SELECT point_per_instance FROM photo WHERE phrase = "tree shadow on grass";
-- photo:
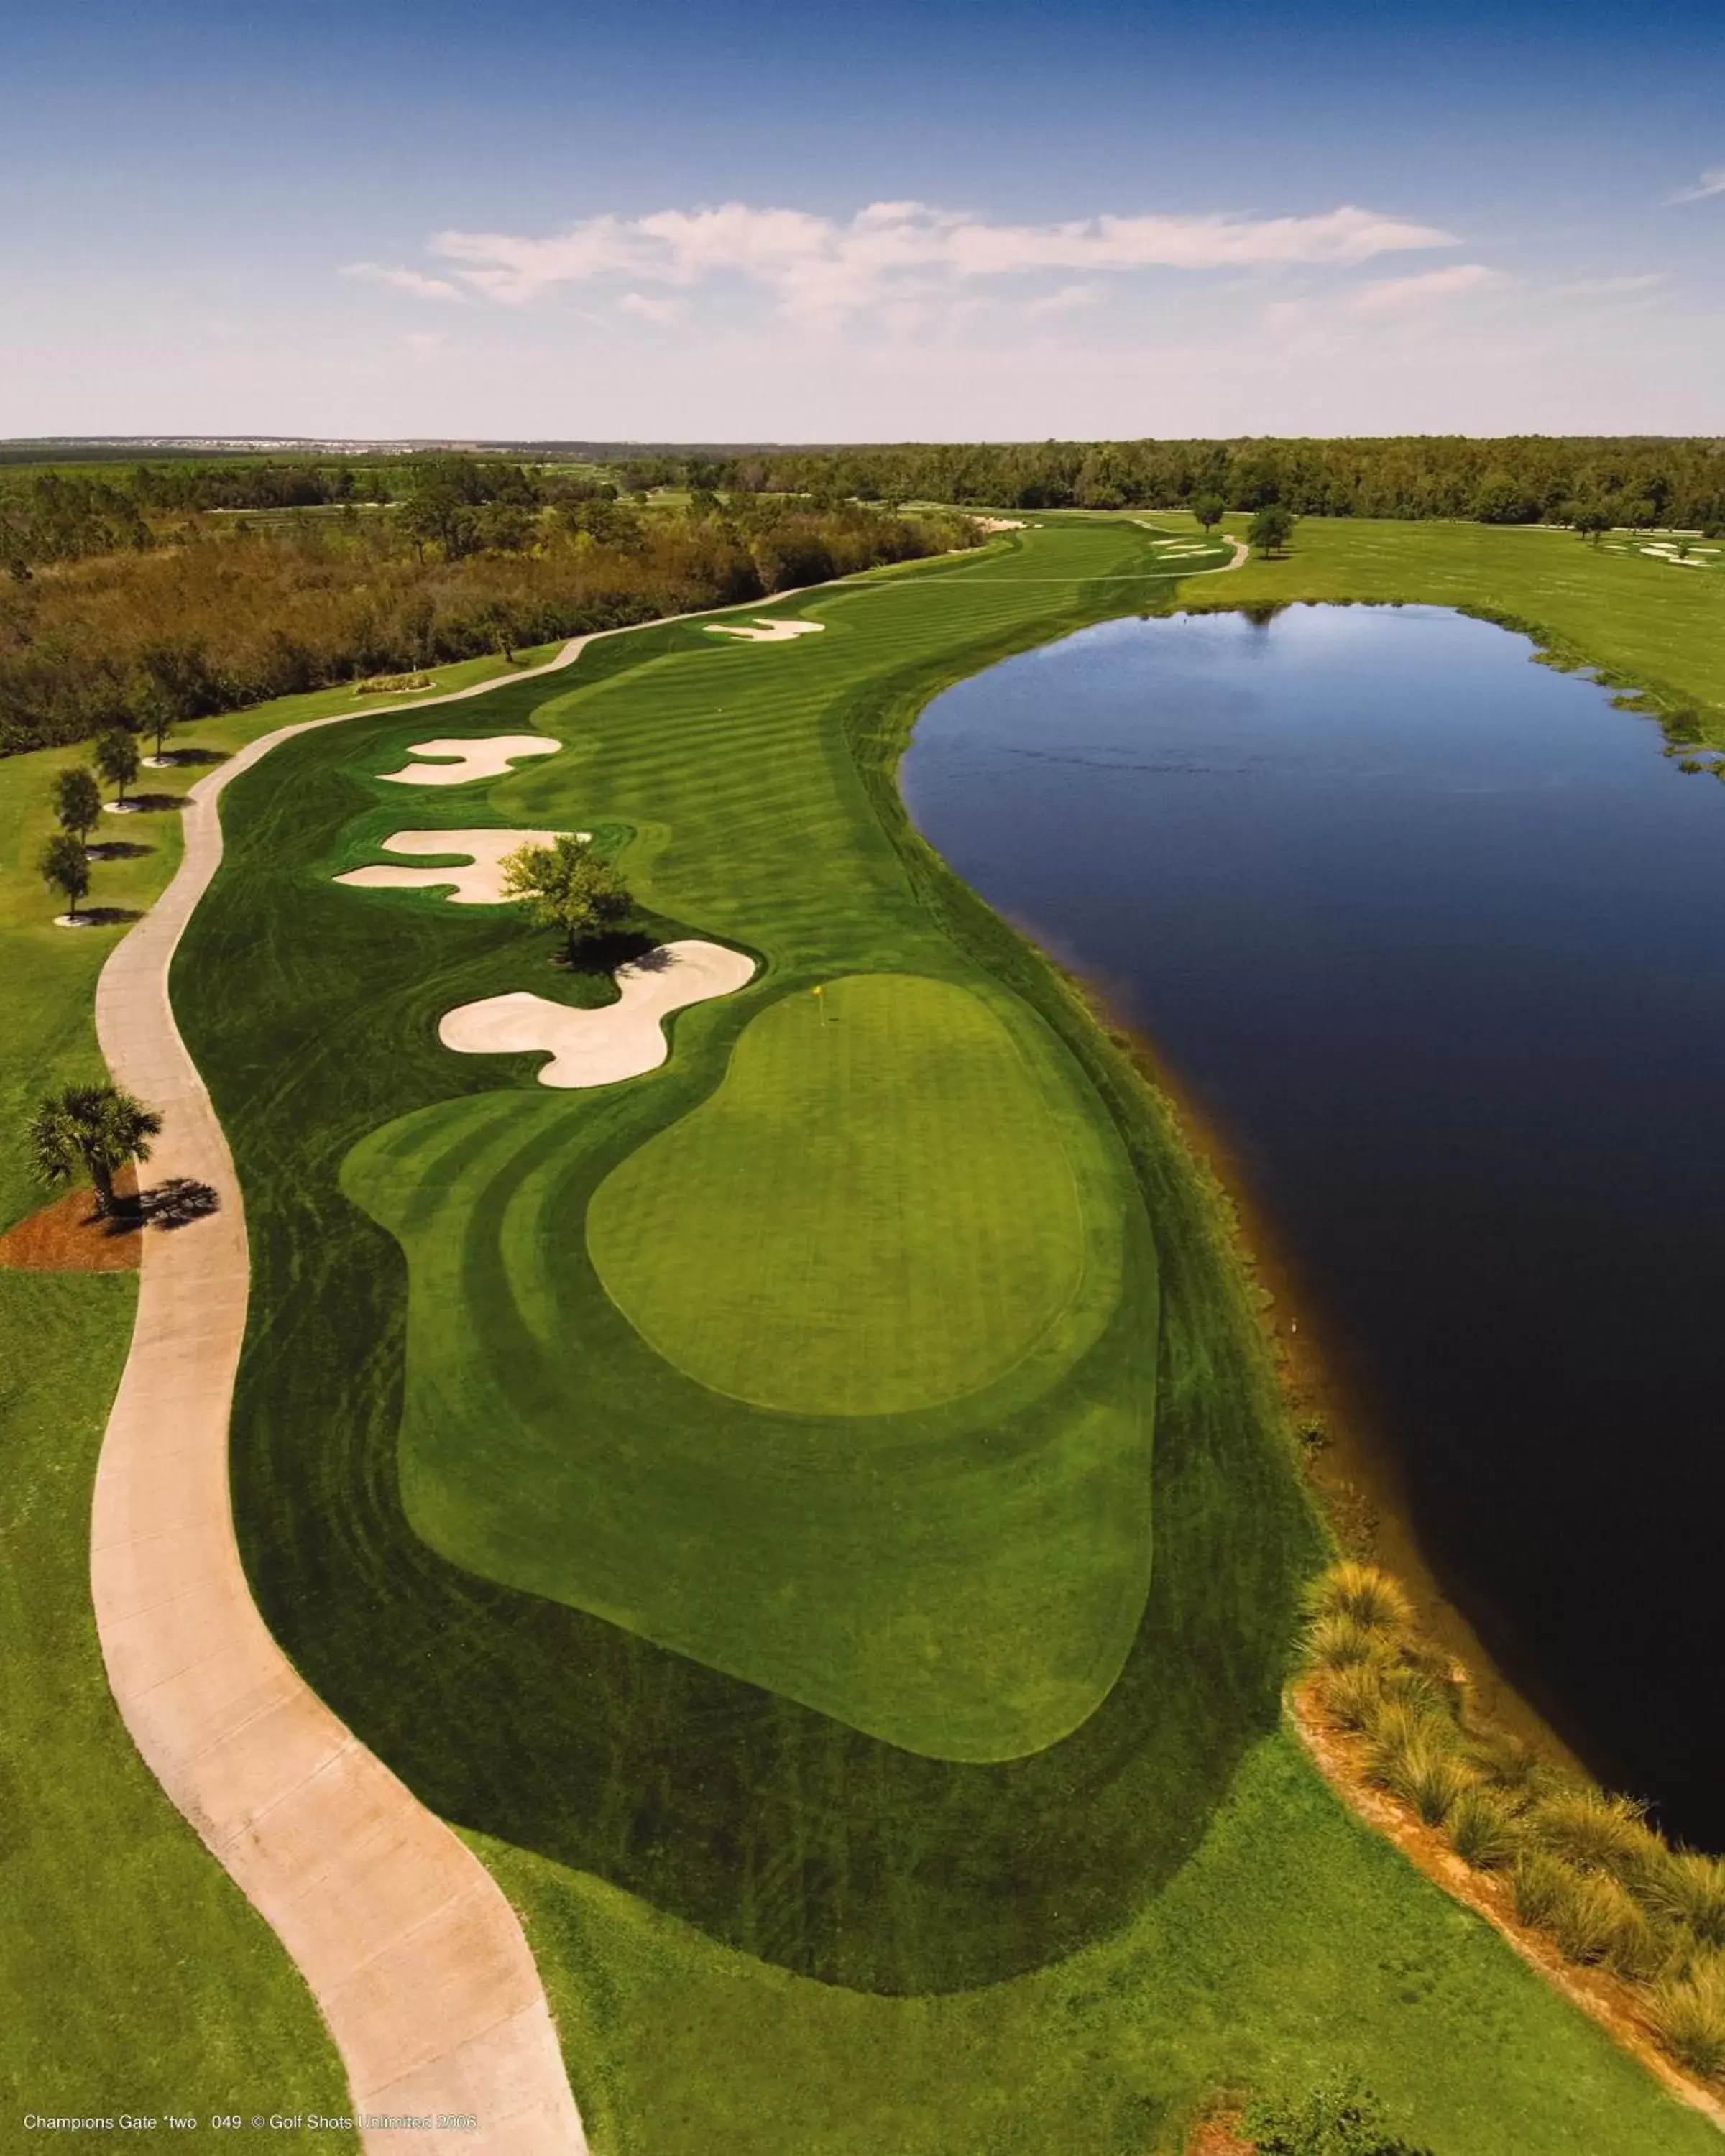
(117, 850)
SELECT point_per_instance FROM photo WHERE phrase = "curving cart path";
(410, 1948)
(413, 1955)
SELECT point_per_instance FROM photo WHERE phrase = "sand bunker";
(479, 882)
(1676, 560)
(1000, 523)
(765, 631)
(598, 1047)
(468, 760)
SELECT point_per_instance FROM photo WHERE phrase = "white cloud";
(665, 314)
(820, 269)
(1611, 287)
(1396, 296)
(1712, 183)
(401, 280)
(1070, 300)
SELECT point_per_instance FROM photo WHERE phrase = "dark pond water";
(1437, 939)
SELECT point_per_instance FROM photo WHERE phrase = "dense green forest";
(1518, 480)
(132, 598)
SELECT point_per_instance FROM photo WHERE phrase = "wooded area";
(130, 600)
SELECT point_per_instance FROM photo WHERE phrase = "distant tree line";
(1520, 480)
(476, 556)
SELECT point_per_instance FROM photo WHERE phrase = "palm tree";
(93, 1128)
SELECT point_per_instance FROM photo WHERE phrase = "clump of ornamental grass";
(1426, 1775)
(1371, 1598)
(1353, 1696)
(1690, 1888)
(1397, 1729)
(1598, 1832)
(1688, 2014)
(1539, 1883)
(1412, 1686)
(1592, 1919)
(1506, 1761)
(1483, 1829)
(1337, 1641)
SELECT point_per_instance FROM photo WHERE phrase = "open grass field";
(1068, 1946)
(757, 1917)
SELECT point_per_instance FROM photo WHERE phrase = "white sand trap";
(478, 883)
(468, 760)
(598, 1047)
(1001, 523)
(1677, 561)
(765, 631)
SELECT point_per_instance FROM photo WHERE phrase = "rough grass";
(1294, 1943)
(137, 1977)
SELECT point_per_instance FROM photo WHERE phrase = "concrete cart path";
(410, 1948)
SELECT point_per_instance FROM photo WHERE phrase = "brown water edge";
(1354, 1470)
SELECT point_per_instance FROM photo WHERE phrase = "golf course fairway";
(817, 1515)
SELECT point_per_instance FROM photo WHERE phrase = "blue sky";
(673, 222)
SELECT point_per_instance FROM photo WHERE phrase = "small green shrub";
(1482, 1829)
(1363, 1593)
(1691, 1888)
(1340, 2117)
(1688, 2014)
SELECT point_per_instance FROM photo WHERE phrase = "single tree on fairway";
(65, 867)
(116, 755)
(1272, 528)
(567, 886)
(94, 1130)
(1590, 520)
(77, 800)
(1207, 508)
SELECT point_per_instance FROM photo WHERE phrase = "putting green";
(875, 1211)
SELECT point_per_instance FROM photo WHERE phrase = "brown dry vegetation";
(223, 618)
